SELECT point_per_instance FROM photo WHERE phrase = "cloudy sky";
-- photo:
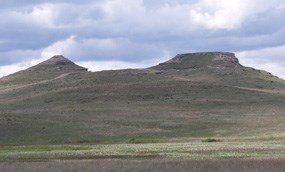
(114, 34)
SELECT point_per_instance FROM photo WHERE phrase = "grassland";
(195, 149)
(230, 165)
(52, 113)
(168, 113)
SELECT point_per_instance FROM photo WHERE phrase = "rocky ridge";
(218, 60)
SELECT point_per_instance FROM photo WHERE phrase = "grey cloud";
(139, 29)
(29, 39)
(111, 49)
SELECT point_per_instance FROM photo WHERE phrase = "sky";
(117, 34)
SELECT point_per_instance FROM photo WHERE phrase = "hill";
(190, 96)
(49, 69)
(217, 60)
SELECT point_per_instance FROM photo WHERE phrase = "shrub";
(209, 140)
(145, 140)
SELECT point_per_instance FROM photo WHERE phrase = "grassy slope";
(116, 106)
(144, 106)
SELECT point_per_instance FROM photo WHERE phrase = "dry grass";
(54, 117)
(232, 165)
(192, 150)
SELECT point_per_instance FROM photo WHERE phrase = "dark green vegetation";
(187, 99)
(211, 140)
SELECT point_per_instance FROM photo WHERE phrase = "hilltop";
(217, 67)
(57, 63)
(217, 60)
(54, 67)
(193, 95)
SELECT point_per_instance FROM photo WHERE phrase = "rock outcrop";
(218, 60)
(226, 60)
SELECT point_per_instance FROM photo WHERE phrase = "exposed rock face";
(218, 60)
(225, 59)
(59, 63)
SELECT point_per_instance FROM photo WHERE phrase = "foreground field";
(233, 165)
(191, 150)
(262, 154)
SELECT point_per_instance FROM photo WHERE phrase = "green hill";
(191, 96)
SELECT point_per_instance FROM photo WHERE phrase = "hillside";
(190, 96)
(49, 69)
(218, 67)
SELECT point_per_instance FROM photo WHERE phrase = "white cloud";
(274, 68)
(58, 48)
(10, 69)
(114, 65)
(270, 59)
(110, 65)
(228, 14)
(130, 17)
(42, 15)
(74, 47)
(49, 15)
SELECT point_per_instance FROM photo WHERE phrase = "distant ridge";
(219, 67)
